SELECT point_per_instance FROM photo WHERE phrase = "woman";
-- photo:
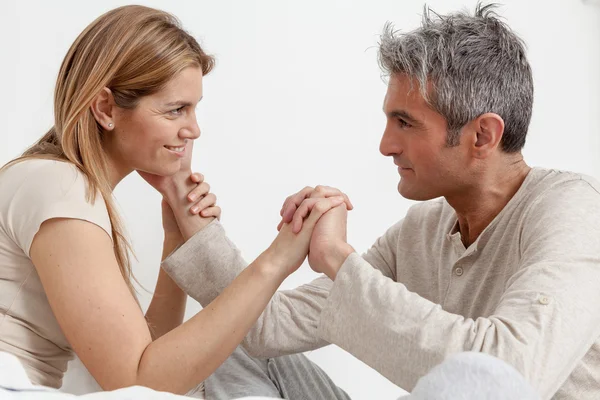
(125, 101)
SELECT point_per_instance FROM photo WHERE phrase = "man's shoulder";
(554, 198)
(554, 184)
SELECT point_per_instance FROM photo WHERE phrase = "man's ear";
(102, 107)
(487, 130)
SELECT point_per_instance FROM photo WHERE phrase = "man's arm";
(547, 319)
(209, 261)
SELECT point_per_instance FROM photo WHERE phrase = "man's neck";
(477, 206)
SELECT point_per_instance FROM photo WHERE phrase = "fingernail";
(192, 197)
(194, 210)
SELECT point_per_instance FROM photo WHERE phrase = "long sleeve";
(209, 261)
(546, 320)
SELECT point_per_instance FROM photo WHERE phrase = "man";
(499, 258)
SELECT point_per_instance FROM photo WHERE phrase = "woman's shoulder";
(46, 184)
(43, 177)
(36, 190)
(34, 167)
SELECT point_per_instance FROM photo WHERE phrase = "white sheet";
(14, 385)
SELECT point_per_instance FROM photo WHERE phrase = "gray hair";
(466, 66)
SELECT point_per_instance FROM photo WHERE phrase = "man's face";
(415, 136)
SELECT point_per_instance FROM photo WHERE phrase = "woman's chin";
(166, 170)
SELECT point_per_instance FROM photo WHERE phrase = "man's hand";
(187, 195)
(328, 247)
(289, 249)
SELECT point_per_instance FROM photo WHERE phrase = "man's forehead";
(404, 92)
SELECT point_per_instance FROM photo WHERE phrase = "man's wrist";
(335, 258)
(175, 192)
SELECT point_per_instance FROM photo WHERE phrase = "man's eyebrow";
(402, 114)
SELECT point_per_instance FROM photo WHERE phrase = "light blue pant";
(473, 376)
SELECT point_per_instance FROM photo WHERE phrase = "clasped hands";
(313, 220)
(328, 248)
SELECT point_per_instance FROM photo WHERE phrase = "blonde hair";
(134, 51)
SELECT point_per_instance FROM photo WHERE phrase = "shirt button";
(544, 300)
(458, 271)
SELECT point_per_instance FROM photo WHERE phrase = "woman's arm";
(167, 307)
(108, 331)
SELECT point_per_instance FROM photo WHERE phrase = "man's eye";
(403, 124)
(177, 111)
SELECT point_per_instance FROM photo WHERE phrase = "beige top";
(527, 291)
(34, 191)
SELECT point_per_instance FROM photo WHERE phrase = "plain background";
(296, 100)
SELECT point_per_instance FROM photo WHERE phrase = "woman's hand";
(291, 212)
(288, 251)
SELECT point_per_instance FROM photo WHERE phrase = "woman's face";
(152, 137)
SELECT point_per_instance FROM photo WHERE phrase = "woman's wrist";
(270, 266)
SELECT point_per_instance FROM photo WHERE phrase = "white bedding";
(14, 385)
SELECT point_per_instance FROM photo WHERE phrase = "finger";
(199, 191)
(214, 211)
(349, 204)
(288, 212)
(306, 208)
(321, 207)
(293, 202)
(197, 177)
(328, 191)
(287, 199)
(280, 225)
(301, 213)
(207, 201)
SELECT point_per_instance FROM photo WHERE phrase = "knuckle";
(321, 207)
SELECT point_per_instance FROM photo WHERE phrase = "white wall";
(296, 100)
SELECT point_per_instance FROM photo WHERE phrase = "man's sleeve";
(208, 262)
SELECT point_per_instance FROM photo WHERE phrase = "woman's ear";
(102, 107)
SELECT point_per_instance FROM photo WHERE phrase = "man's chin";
(412, 193)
